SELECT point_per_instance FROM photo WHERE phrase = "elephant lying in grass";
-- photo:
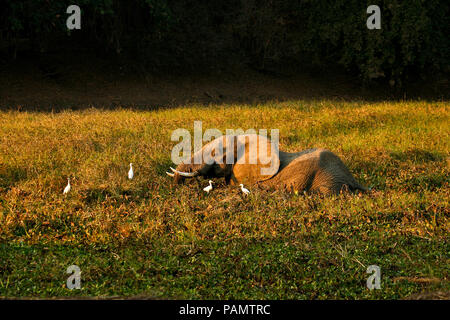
(239, 160)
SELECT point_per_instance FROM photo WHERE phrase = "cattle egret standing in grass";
(208, 188)
(67, 188)
(244, 191)
(130, 173)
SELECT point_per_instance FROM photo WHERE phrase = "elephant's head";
(247, 159)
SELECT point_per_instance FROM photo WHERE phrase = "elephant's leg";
(233, 180)
(323, 183)
(334, 176)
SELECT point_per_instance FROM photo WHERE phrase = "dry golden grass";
(399, 149)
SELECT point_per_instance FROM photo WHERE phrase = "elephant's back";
(297, 170)
(315, 170)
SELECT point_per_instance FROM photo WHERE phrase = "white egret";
(208, 188)
(67, 188)
(130, 172)
(244, 190)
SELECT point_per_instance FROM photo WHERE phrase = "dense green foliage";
(265, 34)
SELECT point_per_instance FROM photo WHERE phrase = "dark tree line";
(267, 35)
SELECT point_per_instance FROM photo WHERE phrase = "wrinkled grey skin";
(312, 170)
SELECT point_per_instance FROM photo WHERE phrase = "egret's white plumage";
(208, 188)
(244, 190)
(67, 188)
(130, 172)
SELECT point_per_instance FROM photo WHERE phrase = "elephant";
(240, 159)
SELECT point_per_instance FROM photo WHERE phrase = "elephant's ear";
(257, 159)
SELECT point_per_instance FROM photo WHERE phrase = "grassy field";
(149, 238)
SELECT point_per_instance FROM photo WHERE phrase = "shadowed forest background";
(149, 53)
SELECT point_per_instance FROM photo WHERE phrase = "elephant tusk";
(170, 174)
(184, 174)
